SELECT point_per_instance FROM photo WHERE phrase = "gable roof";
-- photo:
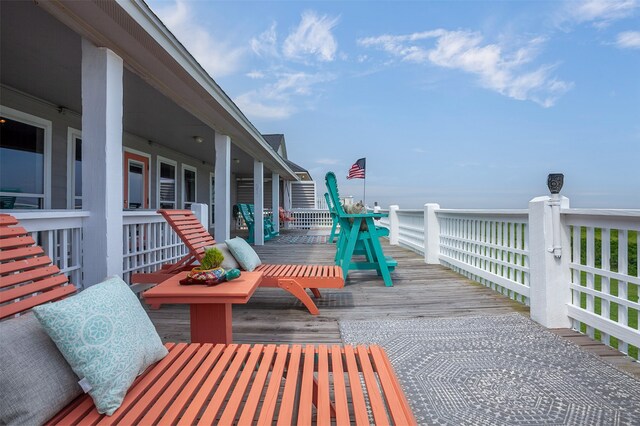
(276, 141)
(298, 169)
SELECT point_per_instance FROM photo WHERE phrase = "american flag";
(357, 170)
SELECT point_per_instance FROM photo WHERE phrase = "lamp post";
(554, 183)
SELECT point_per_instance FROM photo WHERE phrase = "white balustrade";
(411, 229)
(149, 242)
(488, 246)
(310, 219)
(604, 275)
(59, 233)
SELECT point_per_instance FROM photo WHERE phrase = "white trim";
(161, 159)
(212, 191)
(182, 169)
(35, 121)
(72, 134)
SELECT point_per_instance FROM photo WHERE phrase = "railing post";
(431, 234)
(549, 275)
(202, 213)
(394, 225)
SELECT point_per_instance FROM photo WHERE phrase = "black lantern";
(554, 182)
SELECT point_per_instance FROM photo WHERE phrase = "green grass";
(614, 285)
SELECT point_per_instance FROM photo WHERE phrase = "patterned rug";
(299, 239)
(499, 370)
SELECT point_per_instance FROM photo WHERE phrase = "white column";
(394, 228)
(275, 200)
(287, 200)
(222, 229)
(431, 234)
(258, 201)
(550, 275)
(101, 162)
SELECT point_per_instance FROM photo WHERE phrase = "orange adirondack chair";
(292, 278)
(193, 382)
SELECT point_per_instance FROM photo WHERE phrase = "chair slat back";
(246, 213)
(27, 277)
(332, 210)
(190, 230)
(332, 188)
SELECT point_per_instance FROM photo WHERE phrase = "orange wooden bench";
(293, 278)
(221, 384)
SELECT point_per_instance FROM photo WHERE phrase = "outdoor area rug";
(499, 370)
(300, 239)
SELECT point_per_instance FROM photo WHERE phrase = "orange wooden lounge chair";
(221, 384)
(293, 278)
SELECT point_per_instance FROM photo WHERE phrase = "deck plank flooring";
(419, 291)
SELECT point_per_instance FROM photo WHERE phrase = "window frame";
(72, 135)
(125, 169)
(212, 200)
(46, 125)
(183, 168)
(168, 161)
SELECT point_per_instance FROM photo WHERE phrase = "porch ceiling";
(43, 59)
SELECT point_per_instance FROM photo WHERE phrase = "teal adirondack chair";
(247, 212)
(269, 229)
(354, 241)
(334, 218)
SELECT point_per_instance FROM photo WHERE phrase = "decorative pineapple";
(209, 272)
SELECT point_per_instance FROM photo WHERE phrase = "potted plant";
(209, 272)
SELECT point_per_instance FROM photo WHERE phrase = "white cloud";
(255, 75)
(600, 12)
(312, 38)
(496, 68)
(266, 44)
(276, 100)
(216, 56)
(628, 40)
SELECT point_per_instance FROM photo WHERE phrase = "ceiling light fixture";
(198, 139)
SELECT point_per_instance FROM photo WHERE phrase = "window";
(136, 180)
(167, 179)
(74, 169)
(25, 158)
(189, 185)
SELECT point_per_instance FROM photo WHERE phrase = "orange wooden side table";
(210, 307)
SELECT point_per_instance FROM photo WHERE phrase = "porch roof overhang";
(131, 30)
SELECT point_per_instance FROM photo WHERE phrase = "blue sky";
(467, 104)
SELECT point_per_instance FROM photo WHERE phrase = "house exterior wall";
(154, 150)
(60, 122)
(63, 121)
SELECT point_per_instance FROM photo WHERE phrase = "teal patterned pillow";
(244, 254)
(107, 338)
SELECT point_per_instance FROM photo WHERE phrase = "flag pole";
(364, 189)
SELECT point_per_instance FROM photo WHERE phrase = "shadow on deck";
(419, 291)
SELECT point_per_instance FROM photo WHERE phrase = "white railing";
(310, 219)
(604, 276)
(490, 247)
(149, 242)
(59, 233)
(410, 229)
(591, 284)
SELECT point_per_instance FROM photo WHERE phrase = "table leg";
(211, 323)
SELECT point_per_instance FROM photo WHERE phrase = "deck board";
(419, 291)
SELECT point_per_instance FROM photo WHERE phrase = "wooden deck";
(420, 290)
